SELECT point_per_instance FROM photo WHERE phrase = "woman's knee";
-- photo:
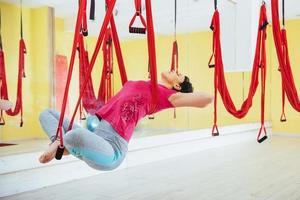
(74, 138)
(94, 150)
(44, 115)
(99, 163)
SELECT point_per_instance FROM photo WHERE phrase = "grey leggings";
(102, 149)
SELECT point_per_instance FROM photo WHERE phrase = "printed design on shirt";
(131, 107)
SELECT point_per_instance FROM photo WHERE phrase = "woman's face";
(172, 77)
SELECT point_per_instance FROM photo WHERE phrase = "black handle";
(92, 10)
(151, 117)
(216, 4)
(59, 152)
(215, 133)
(262, 139)
(283, 118)
(283, 13)
(137, 30)
(264, 26)
(85, 32)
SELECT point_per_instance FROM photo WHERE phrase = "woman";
(104, 147)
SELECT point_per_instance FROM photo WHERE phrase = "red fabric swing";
(21, 74)
(90, 102)
(108, 19)
(219, 77)
(288, 83)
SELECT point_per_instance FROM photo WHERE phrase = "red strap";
(284, 48)
(263, 67)
(2, 77)
(118, 51)
(283, 116)
(174, 60)
(138, 13)
(88, 98)
(71, 65)
(152, 55)
(84, 21)
(174, 64)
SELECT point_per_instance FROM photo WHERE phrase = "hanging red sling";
(280, 40)
(152, 55)
(219, 77)
(21, 74)
(89, 100)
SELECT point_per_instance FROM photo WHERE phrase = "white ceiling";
(193, 15)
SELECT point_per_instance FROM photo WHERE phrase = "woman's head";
(178, 82)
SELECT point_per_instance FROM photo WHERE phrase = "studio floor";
(246, 170)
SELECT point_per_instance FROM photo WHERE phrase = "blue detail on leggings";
(96, 157)
(92, 122)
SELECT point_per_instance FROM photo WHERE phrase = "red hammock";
(108, 19)
(90, 102)
(21, 74)
(219, 77)
(288, 83)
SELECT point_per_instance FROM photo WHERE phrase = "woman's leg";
(49, 119)
(97, 152)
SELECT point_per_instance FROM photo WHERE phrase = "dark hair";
(186, 86)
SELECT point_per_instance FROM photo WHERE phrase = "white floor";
(244, 170)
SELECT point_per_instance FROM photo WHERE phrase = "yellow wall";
(194, 51)
(36, 87)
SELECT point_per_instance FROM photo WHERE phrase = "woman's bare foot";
(49, 154)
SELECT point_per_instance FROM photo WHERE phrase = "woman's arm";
(196, 99)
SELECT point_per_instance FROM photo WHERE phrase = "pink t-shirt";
(132, 103)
